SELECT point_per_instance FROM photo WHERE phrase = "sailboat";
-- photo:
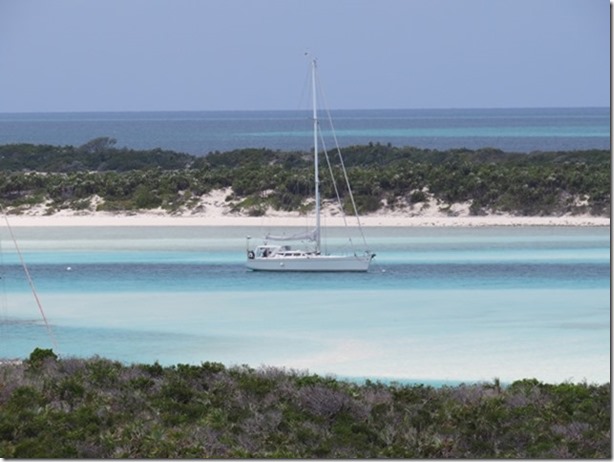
(273, 256)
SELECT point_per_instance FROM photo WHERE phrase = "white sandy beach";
(289, 219)
(214, 210)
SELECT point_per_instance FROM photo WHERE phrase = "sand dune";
(214, 210)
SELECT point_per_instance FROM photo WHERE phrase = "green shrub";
(39, 356)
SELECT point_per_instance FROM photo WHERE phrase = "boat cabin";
(277, 251)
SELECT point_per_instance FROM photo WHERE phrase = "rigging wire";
(345, 175)
(29, 279)
(320, 135)
(335, 187)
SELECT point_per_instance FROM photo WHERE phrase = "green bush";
(39, 356)
(554, 183)
(96, 408)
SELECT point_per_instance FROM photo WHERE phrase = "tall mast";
(315, 152)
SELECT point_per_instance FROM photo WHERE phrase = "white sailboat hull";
(316, 263)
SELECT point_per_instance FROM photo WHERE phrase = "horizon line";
(140, 111)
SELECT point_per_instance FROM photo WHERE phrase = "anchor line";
(30, 281)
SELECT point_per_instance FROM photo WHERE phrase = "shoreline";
(148, 219)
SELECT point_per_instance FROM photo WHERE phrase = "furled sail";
(307, 236)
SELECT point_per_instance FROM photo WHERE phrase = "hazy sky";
(123, 55)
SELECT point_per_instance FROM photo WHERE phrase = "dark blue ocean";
(439, 305)
(512, 130)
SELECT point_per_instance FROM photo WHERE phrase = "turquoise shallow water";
(439, 305)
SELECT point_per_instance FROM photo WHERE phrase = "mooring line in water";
(30, 280)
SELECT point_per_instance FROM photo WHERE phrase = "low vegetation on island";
(98, 408)
(97, 176)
